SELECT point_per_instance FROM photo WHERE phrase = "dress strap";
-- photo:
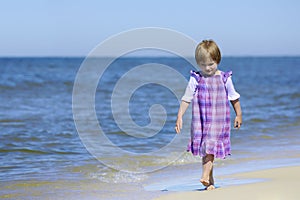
(226, 75)
(196, 75)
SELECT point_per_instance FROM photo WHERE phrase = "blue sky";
(74, 28)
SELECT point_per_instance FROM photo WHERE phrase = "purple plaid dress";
(210, 129)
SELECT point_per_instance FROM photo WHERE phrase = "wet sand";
(75, 190)
(275, 184)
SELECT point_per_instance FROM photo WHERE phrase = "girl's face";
(208, 67)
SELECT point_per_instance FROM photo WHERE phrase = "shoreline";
(276, 183)
(271, 174)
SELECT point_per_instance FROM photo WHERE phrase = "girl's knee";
(208, 157)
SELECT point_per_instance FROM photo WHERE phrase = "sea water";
(39, 140)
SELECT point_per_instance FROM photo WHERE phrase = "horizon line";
(142, 56)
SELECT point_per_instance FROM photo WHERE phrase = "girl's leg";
(207, 174)
(211, 177)
(211, 180)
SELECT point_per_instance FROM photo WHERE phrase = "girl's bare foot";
(205, 182)
(211, 182)
(207, 166)
(211, 187)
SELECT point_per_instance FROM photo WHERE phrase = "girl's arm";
(238, 111)
(183, 106)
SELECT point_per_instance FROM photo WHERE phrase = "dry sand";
(278, 184)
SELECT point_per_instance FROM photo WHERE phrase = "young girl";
(210, 91)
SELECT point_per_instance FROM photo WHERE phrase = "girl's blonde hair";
(207, 50)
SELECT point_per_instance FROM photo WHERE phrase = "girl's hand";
(178, 125)
(238, 121)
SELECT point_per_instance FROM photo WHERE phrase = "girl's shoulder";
(226, 75)
(219, 72)
(195, 74)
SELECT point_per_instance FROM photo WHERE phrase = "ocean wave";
(258, 120)
(117, 177)
(108, 175)
(34, 151)
(23, 150)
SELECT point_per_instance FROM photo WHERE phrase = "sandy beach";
(276, 184)
(273, 184)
